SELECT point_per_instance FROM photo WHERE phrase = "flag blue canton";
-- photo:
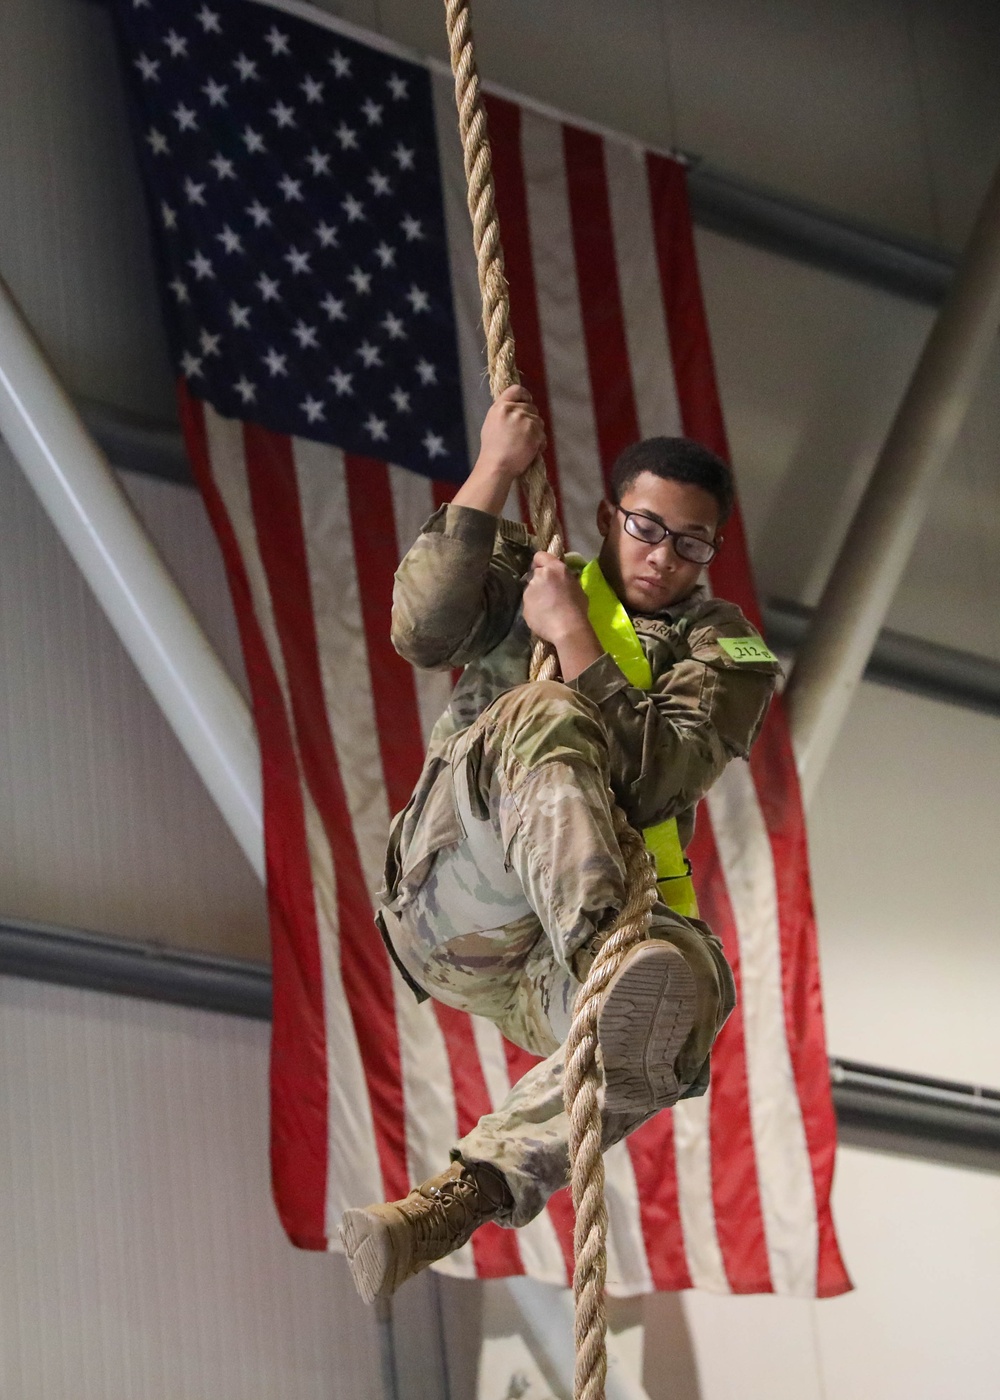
(295, 189)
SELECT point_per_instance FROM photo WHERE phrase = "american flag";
(305, 185)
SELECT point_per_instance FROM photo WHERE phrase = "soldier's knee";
(547, 716)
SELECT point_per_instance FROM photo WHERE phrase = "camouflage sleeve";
(671, 743)
(458, 589)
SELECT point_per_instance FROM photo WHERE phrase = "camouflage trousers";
(504, 923)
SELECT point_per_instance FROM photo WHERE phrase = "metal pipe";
(880, 1109)
(881, 536)
(85, 502)
(899, 660)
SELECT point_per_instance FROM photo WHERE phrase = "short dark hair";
(675, 459)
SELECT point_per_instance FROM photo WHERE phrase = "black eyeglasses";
(690, 547)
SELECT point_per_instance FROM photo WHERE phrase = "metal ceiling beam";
(901, 661)
(879, 1109)
(807, 234)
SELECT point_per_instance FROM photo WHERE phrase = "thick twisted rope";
(582, 1078)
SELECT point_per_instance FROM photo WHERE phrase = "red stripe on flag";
(611, 389)
(299, 1108)
(394, 694)
(495, 1251)
(691, 352)
(364, 962)
(512, 208)
(651, 1150)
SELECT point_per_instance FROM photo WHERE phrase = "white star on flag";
(247, 69)
(306, 336)
(426, 371)
(185, 117)
(319, 162)
(297, 261)
(176, 44)
(377, 427)
(276, 41)
(276, 364)
(268, 287)
(201, 266)
(291, 189)
(230, 241)
(148, 68)
(435, 445)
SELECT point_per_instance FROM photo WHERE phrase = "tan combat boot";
(387, 1244)
(647, 1014)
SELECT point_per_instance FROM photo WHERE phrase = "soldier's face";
(650, 577)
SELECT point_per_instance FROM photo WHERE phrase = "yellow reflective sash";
(618, 638)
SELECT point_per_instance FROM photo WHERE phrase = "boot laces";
(454, 1210)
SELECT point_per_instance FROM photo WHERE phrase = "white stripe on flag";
(787, 1194)
(692, 1152)
(352, 1160)
(573, 428)
(639, 282)
(538, 1243)
(462, 258)
(628, 1265)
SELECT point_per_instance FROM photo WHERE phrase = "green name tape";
(746, 649)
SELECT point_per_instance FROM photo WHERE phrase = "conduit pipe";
(882, 534)
(85, 501)
(82, 497)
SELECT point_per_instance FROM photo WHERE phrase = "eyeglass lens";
(689, 547)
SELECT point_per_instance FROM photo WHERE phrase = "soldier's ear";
(605, 518)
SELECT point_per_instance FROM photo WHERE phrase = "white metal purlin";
(881, 536)
(82, 497)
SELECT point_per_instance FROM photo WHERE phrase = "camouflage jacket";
(457, 602)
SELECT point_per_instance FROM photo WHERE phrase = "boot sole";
(371, 1255)
(646, 1016)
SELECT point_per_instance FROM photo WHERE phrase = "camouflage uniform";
(503, 866)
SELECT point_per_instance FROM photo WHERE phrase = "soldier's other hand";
(513, 435)
(555, 605)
